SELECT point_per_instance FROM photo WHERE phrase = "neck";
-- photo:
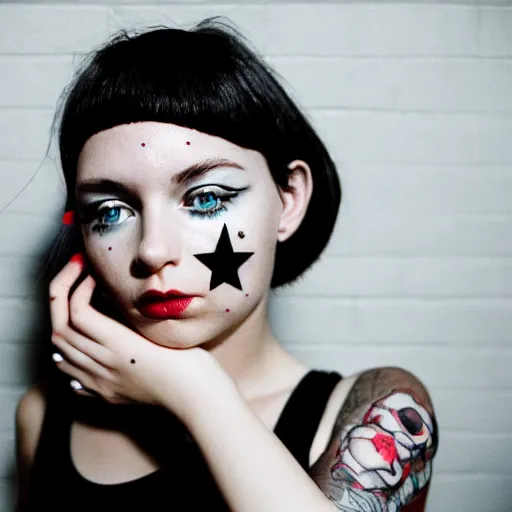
(252, 356)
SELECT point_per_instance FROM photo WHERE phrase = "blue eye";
(111, 214)
(206, 201)
(210, 200)
(108, 215)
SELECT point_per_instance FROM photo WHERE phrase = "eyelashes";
(102, 216)
(209, 200)
(205, 201)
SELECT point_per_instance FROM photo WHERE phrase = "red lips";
(163, 305)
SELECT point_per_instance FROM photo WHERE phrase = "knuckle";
(75, 312)
(53, 288)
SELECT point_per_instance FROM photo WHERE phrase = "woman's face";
(152, 196)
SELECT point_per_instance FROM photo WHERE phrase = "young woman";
(195, 185)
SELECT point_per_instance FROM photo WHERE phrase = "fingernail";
(57, 357)
(76, 385)
(78, 258)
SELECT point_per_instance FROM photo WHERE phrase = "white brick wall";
(415, 103)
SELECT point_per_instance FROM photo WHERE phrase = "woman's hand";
(115, 362)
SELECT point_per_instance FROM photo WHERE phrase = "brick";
(421, 236)
(396, 277)
(8, 491)
(26, 133)
(495, 29)
(8, 402)
(427, 189)
(7, 457)
(434, 364)
(416, 138)
(51, 29)
(18, 275)
(475, 453)
(14, 327)
(17, 362)
(31, 187)
(33, 81)
(25, 234)
(470, 492)
(433, 85)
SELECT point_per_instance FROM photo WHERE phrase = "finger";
(80, 390)
(94, 350)
(80, 306)
(82, 315)
(87, 320)
(82, 377)
(59, 291)
(78, 359)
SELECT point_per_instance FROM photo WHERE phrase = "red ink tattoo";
(188, 143)
(227, 310)
(143, 145)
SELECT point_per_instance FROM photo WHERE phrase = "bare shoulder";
(29, 421)
(379, 456)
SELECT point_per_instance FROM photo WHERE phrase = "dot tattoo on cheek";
(132, 361)
(110, 248)
(188, 143)
(227, 310)
(143, 144)
(241, 234)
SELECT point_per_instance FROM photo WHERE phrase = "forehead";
(151, 150)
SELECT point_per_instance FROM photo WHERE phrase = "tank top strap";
(299, 420)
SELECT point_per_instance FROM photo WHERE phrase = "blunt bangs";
(202, 80)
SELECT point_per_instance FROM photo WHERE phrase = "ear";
(295, 198)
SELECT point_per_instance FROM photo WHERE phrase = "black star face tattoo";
(224, 262)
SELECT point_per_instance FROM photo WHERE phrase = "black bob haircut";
(208, 79)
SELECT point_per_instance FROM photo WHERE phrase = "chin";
(180, 334)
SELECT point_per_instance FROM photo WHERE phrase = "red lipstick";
(163, 305)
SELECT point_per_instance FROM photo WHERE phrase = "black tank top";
(183, 481)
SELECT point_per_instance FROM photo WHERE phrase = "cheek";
(107, 259)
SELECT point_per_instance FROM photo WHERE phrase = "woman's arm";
(252, 468)
(256, 473)
(380, 454)
(29, 421)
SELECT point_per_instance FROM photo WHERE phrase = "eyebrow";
(194, 171)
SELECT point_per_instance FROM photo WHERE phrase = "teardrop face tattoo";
(224, 262)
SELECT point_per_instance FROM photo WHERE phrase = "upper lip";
(152, 296)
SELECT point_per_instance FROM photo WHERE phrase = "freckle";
(143, 144)
(52, 299)
(188, 143)
(132, 361)
(227, 310)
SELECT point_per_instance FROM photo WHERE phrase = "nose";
(159, 244)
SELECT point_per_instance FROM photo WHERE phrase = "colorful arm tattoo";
(380, 455)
